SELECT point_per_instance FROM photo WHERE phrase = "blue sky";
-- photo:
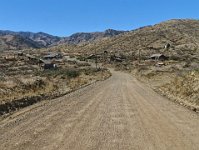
(64, 17)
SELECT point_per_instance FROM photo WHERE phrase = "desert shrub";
(39, 83)
(90, 71)
(81, 58)
(83, 64)
(142, 67)
(184, 88)
(72, 73)
(2, 78)
(48, 73)
(71, 62)
(72, 56)
(176, 58)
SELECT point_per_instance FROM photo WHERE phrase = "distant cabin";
(10, 58)
(116, 58)
(45, 64)
(52, 56)
(91, 56)
(160, 57)
(49, 66)
(20, 54)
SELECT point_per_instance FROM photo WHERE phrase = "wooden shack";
(160, 57)
(53, 56)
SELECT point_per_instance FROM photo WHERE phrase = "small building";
(160, 57)
(10, 58)
(159, 64)
(116, 58)
(91, 56)
(20, 54)
(49, 66)
(45, 64)
(53, 56)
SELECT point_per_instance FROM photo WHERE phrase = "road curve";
(117, 114)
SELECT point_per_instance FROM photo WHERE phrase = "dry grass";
(48, 82)
(184, 89)
(176, 81)
(15, 91)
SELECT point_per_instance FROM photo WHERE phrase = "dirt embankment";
(184, 90)
(177, 84)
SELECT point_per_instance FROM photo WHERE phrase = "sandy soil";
(119, 113)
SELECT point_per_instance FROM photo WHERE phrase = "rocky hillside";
(41, 38)
(10, 40)
(79, 38)
(182, 35)
(16, 42)
(21, 40)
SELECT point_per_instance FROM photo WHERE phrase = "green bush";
(81, 58)
(72, 73)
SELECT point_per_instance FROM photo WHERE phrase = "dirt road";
(117, 114)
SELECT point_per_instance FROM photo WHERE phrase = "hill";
(16, 42)
(10, 40)
(79, 38)
(23, 40)
(181, 34)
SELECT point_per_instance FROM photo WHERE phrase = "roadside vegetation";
(184, 90)
(24, 82)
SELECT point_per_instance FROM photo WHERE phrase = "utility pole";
(139, 52)
(105, 56)
(96, 58)
(139, 55)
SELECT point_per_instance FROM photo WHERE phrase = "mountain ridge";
(177, 32)
(181, 34)
(43, 40)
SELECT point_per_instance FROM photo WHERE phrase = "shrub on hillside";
(72, 73)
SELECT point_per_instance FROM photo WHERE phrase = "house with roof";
(53, 56)
(160, 57)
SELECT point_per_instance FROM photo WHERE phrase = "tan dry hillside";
(16, 42)
(184, 89)
(10, 40)
(183, 35)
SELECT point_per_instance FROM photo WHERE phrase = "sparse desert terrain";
(24, 80)
(115, 90)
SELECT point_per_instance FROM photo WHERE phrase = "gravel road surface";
(120, 113)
